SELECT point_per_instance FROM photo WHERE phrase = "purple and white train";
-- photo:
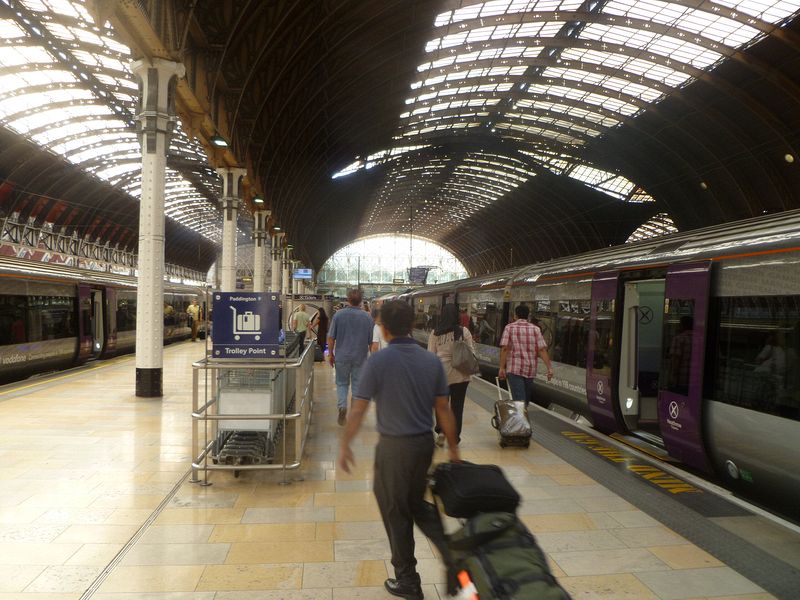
(687, 344)
(54, 317)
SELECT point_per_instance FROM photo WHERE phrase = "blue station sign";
(246, 325)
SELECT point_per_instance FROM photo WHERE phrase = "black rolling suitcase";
(465, 489)
(319, 354)
(511, 421)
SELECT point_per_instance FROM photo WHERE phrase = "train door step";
(646, 442)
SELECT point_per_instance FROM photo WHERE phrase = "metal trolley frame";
(297, 380)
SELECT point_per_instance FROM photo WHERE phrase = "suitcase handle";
(494, 422)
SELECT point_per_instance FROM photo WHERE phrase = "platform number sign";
(246, 325)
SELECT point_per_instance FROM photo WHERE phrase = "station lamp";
(258, 200)
(218, 141)
(277, 228)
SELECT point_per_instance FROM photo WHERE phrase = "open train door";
(680, 399)
(600, 358)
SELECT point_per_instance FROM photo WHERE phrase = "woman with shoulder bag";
(442, 342)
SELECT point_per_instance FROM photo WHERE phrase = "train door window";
(86, 316)
(677, 348)
(97, 321)
(428, 310)
(757, 359)
(571, 332)
(603, 337)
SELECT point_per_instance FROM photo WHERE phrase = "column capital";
(231, 181)
(155, 113)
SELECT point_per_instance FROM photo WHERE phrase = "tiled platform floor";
(85, 463)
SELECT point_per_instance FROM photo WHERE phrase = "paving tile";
(15, 578)
(251, 577)
(640, 537)
(264, 532)
(170, 578)
(607, 587)
(689, 583)
(95, 555)
(605, 562)
(685, 556)
(315, 594)
(280, 552)
(64, 578)
(176, 554)
(288, 515)
(558, 522)
(177, 534)
(344, 574)
(571, 541)
(156, 596)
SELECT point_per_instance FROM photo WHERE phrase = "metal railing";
(291, 380)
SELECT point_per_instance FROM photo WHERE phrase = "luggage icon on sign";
(246, 324)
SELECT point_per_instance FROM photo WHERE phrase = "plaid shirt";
(524, 340)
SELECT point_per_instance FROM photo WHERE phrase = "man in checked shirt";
(520, 347)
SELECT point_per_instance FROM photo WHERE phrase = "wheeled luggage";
(319, 354)
(465, 489)
(511, 421)
(502, 560)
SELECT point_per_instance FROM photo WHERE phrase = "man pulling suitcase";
(407, 383)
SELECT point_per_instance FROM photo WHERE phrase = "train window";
(50, 317)
(677, 340)
(603, 337)
(487, 318)
(13, 328)
(571, 333)
(427, 312)
(126, 311)
(757, 360)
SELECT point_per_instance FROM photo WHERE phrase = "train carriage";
(689, 344)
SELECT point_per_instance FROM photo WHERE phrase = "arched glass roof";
(65, 83)
(550, 76)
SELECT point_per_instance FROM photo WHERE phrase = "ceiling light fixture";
(258, 199)
(218, 141)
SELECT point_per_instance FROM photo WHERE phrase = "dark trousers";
(301, 335)
(458, 393)
(401, 470)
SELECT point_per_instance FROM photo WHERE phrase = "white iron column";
(231, 200)
(277, 253)
(260, 240)
(286, 282)
(295, 282)
(155, 120)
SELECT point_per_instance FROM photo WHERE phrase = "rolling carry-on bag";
(502, 560)
(319, 354)
(465, 489)
(511, 421)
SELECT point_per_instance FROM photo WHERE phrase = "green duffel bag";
(503, 559)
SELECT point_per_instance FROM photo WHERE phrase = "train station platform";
(95, 502)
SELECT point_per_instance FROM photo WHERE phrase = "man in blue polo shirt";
(407, 384)
(349, 339)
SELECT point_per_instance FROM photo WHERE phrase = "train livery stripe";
(106, 363)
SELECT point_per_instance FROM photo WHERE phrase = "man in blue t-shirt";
(407, 383)
(349, 339)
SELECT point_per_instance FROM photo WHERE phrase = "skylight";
(67, 86)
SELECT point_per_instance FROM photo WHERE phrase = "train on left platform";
(53, 317)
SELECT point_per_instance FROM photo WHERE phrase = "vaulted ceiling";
(507, 130)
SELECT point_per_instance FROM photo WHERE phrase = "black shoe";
(404, 590)
(342, 416)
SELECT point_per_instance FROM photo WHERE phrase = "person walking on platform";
(320, 321)
(378, 343)
(349, 340)
(521, 345)
(300, 321)
(407, 384)
(441, 343)
(194, 318)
